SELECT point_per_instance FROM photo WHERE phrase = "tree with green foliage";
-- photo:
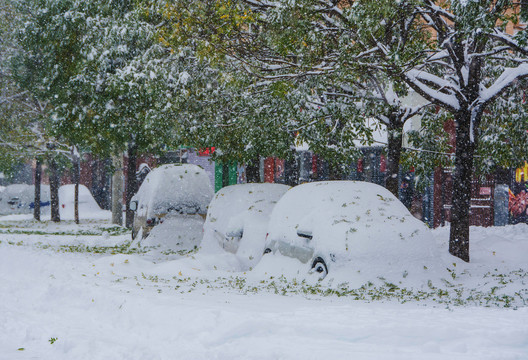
(231, 111)
(308, 47)
(24, 116)
(103, 74)
(48, 56)
(16, 109)
(466, 70)
(218, 104)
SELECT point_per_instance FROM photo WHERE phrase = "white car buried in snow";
(20, 199)
(183, 190)
(334, 223)
(238, 218)
(88, 207)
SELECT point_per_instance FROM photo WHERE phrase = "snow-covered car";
(88, 207)
(334, 223)
(170, 190)
(20, 199)
(238, 217)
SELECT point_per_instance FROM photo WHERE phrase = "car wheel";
(319, 267)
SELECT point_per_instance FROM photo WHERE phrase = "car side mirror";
(133, 205)
(304, 233)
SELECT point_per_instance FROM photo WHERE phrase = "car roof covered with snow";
(173, 185)
(88, 207)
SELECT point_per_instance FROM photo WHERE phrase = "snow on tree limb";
(435, 95)
(509, 41)
(505, 80)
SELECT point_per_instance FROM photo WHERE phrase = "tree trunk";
(465, 148)
(131, 185)
(54, 189)
(76, 203)
(38, 181)
(394, 149)
(117, 190)
(76, 179)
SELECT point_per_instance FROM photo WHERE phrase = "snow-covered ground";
(80, 292)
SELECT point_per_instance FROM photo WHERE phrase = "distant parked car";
(170, 190)
(88, 207)
(20, 199)
(238, 218)
(333, 223)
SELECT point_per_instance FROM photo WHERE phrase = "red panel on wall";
(383, 163)
(314, 166)
(269, 169)
(206, 151)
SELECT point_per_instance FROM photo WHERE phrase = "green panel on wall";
(218, 176)
(225, 174)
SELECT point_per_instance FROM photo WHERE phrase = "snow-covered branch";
(415, 79)
(509, 41)
(505, 80)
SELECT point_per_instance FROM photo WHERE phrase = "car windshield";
(180, 188)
